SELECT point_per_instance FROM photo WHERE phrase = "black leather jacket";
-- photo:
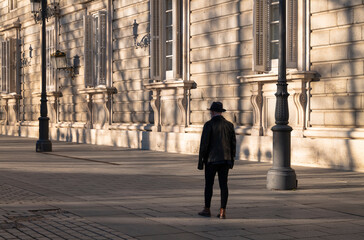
(218, 142)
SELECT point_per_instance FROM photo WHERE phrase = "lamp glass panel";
(54, 62)
(61, 62)
(34, 5)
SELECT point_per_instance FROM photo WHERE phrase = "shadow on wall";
(344, 100)
(254, 148)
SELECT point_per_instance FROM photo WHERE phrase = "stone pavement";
(81, 191)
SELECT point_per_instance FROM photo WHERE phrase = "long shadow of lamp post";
(281, 176)
(43, 143)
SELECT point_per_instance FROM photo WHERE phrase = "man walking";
(217, 152)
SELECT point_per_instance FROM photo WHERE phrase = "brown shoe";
(222, 214)
(205, 212)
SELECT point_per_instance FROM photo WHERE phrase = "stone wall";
(221, 49)
(130, 65)
(337, 54)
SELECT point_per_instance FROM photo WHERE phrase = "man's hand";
(200, 165)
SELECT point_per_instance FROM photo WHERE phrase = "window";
(51, 48)
(9, 62)
(166, 33)
(95, 49)
(12, 4)
(274, 29)
(266, 34)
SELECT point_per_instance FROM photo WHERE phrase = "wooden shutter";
(292, 25)
(50, 48)
(12, 4)
(8, 67)
(155, 44)
(101, 48)
(13, 60)
(88, 51)
(177, 41)
(260, 54)
(3, 66)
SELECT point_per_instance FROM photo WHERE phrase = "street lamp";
(281, 176)
(51, 10)
(144, 42)
(59, 61)
(43, 143)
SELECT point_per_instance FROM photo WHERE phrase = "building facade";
(142, 74)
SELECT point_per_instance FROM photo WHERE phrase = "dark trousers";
(210, 171)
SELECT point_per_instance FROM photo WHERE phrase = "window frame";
(95, 52)
(262, 61)
(272, 40)
(10, 65)
(12, 4)
(159, 71)
(51, 47)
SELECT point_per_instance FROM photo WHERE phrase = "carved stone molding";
(170, 104)
(14, 25)
(11, 107)
(104, 98)
(182, 106)
(256, 100)
(297, 88)
(155, 103)
(53, 103)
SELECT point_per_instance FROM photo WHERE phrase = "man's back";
(218, 141)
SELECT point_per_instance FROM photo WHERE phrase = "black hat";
(216, 107)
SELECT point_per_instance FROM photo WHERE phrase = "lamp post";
(281, 176)
(43, 143)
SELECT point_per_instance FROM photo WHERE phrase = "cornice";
(14, 25)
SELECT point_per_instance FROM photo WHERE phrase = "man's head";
(216, 109)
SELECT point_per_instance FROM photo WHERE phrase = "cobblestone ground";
(47, 222)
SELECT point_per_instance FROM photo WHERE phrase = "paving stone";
(306, 234)
(77, 194)
(275, 236)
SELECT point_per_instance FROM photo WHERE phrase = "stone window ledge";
(71, 125)
(10, 96)
(55, 94)
(29, 123)
(14, 25)
(273, 77)
(98, 90)
(168, 84)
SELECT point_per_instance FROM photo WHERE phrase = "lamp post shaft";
(281, 176)
(43, 143)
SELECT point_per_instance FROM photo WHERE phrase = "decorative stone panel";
(171, 105)
(52, 105)
(263, 88)
(11, 108)
(99, 101)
